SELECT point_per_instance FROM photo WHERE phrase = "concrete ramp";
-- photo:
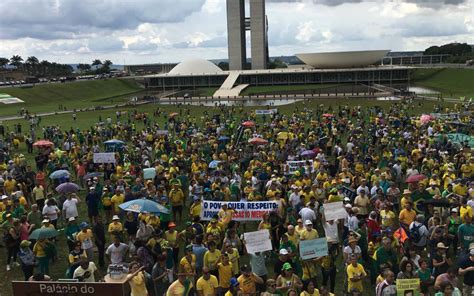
(227, 88)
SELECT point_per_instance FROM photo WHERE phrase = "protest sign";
(334, 211)
(409, 287)
(149, 173)
(313, 248)
(266, 112)
(244, 210)
(258, 241)
(461, 139)
(105, 157)
(349, 192)
(294, 165)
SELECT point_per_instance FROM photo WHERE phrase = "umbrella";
(258, 141)
(114, 142)
(67, 187)
(415, 178)
(308, 153)
(42, 233)
(328, 115)
(92, 175)
(59, 174)
(143, 205)
(248, 123)
(43, 143)
(223, 138)
(213, 164)
(425, 118)
(437, 202)
(173, 114)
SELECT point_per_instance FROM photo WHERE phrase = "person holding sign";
(355, 274)
(287, 279)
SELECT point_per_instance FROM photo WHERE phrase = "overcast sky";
(150, 31)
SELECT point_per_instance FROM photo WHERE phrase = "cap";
(283, 251)
(171, 224)
(83, 225)
(406, 191)
(4, 197)
(454, 210)
(286, 266)
(213, 220)
(25, 243)
(189, 248)
(440, 245)
(471, 252)
(91, 188)
(308, 222)
(234, 282)
(348, 206)
(347, 199)
(115, 217)
(45, 221)
(72, 219)
(8, 215)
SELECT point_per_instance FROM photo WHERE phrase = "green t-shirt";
(466, 233)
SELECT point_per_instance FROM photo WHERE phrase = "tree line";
(52, 69)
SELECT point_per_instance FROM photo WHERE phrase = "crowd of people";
(407, 189)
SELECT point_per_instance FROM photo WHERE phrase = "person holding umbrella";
(27, 259)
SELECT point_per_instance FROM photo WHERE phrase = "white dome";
(347, 59)
(195, 66)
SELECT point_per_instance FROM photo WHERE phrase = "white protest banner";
(244, 210)
(105, 157)
(266, 112)
(313, 248)
(258, 241)
(294, 165)
(162, 132)
(149, 173)
(334, 211)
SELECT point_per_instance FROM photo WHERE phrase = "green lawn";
(82, 94)
(453, 83)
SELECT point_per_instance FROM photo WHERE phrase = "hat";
(234, 282)
(347, 199)
(91, 188)
(406, 191)
(213, 220)
(348, 206)
(283, 251)
(8, 215)
(189, 248)
(286, 266)
(189, 223)
(454, 210)
(308, 222)
(83, 225)
(45, 221)
(4, 197)
(115, 217)
(71, 219)
(25, 244)
(171, 224)
(440, 245)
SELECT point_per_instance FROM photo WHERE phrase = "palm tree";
(4, 62)
(44, 66)
(32, 63)
(16, 61)
(106, 66)
(96, 63)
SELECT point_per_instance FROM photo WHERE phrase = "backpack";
(414, 233)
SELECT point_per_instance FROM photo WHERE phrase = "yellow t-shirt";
(351, 273)
(305, 293)
(387, 217)
(172, 238)
(247, 285)
(465, 211)
(114, 227)
(210, 259)
(176, 289)
(407, 217)
(38, 250)
(225, 274)
(234, 259)
(137, 285)
(195, 209)
(186, 266)
(309, 235)
(117, 200)
(207, 287)
(85, 238)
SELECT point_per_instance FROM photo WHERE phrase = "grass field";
(453, 83)
(81, 94)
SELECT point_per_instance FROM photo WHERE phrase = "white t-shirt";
(70, 208)
(331, 231)
(51, 212)
(117, 253)
(81, 272)
(307, 214)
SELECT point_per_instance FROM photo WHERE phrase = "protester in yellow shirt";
(207, 284)
(225, 271)
(248, 281)
(407, 215)
(117, 200)
(115, 228)
(211, 257)
(309, 232)
(355, 274)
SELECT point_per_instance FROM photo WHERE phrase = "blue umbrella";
(114, 142)
(223, 138)
(213, 164)
(143, 205)
(59, 174)
(309, 153)
(92, 175)
(67, 187)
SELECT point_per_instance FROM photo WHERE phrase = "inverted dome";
(347, 59)
(194, 66)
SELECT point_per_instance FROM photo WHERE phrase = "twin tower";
(237, 25)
